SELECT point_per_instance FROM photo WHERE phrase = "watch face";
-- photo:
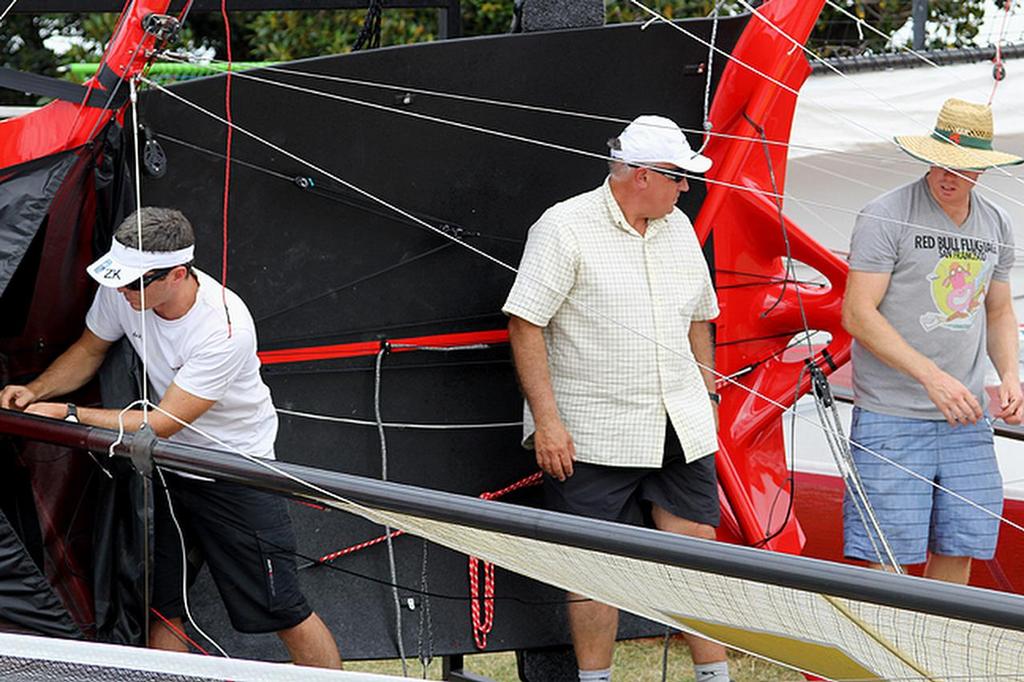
(71, 418)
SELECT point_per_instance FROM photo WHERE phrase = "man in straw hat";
(612, 302)
(928, 296)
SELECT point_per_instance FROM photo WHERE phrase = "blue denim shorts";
(917, 517)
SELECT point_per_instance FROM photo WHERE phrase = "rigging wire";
(497, 261)
(998, 70)
(218, 65)
(133, 96)
(797, 44)
(795, 93)
(184, 564)
(520, 138)
(399, 631)
(227, 167)
(8, 9)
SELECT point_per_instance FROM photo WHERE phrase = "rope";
(133, 96)
(178, 632)
(227, 168)
(797, 44)
(369, 34)
(707, 81)
(537, 108)
(783, 408)
(426, 624)
(184, 565)
(8, 9)
(398, 425)
(998, 69)
(482, 624)
(533, 141)
(388, 532)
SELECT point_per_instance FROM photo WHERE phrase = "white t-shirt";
(196, 353)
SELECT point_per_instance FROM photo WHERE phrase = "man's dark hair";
(163, 229)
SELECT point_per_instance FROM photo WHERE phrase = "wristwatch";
(72, 414)
(715, 398)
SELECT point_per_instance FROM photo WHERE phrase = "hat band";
(150, 260)
(951, 136)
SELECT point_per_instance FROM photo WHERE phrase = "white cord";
(184, 566)
(138, 230)
(397, 425)
(519, 138)
(581, 305)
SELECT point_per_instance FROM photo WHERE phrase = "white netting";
(25, 658)
(838, 638)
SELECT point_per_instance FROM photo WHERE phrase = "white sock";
(596, 675)
(711, 672)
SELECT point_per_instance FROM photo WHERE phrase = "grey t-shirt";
(936, 297)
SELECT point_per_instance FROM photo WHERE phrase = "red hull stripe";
(364, 348)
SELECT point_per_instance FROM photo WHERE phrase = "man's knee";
(667, 521)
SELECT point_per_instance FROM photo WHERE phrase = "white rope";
(184, 567)
(517, 138)
(581, 305)
(138, 231)
(399, 630)
(797, 44)
(222, 66)
(397, 425)
(9, 8)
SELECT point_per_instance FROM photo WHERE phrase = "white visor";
(123, 265)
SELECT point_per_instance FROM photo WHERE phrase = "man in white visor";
(198, 345)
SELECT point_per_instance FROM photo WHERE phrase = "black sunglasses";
(673, 174)
(148, 278)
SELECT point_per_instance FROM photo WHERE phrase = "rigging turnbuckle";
(163, 27)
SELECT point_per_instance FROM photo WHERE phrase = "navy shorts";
(915, 516)
(625, 494)
(244, 535)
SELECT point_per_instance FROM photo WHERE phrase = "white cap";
(123, 265)
(656, 139)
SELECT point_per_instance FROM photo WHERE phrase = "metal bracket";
(163, 27)
(140, 450)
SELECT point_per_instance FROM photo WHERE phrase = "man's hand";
(957, 404)
(1011, 402)
(14, 397)
(555, 449)
(51, 410)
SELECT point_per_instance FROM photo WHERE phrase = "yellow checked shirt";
(604, 294)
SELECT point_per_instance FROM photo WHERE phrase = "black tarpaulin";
(26, 598)
(26, 194)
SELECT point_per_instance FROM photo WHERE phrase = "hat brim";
(939, 153)
(698, 163)
(110, 272)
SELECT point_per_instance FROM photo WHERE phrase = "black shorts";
(624, 494)
(246, 537)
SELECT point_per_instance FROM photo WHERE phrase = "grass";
(636, 661)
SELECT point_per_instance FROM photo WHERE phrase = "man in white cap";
(198, 342)
(927, 299)
(609, 311)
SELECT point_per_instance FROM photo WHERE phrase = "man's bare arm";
(702, 344)
(1004, 350)
(552, 442)
(71, 370)
(864, 293)
(177, 401)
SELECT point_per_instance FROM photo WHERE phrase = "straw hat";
(962, 139)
